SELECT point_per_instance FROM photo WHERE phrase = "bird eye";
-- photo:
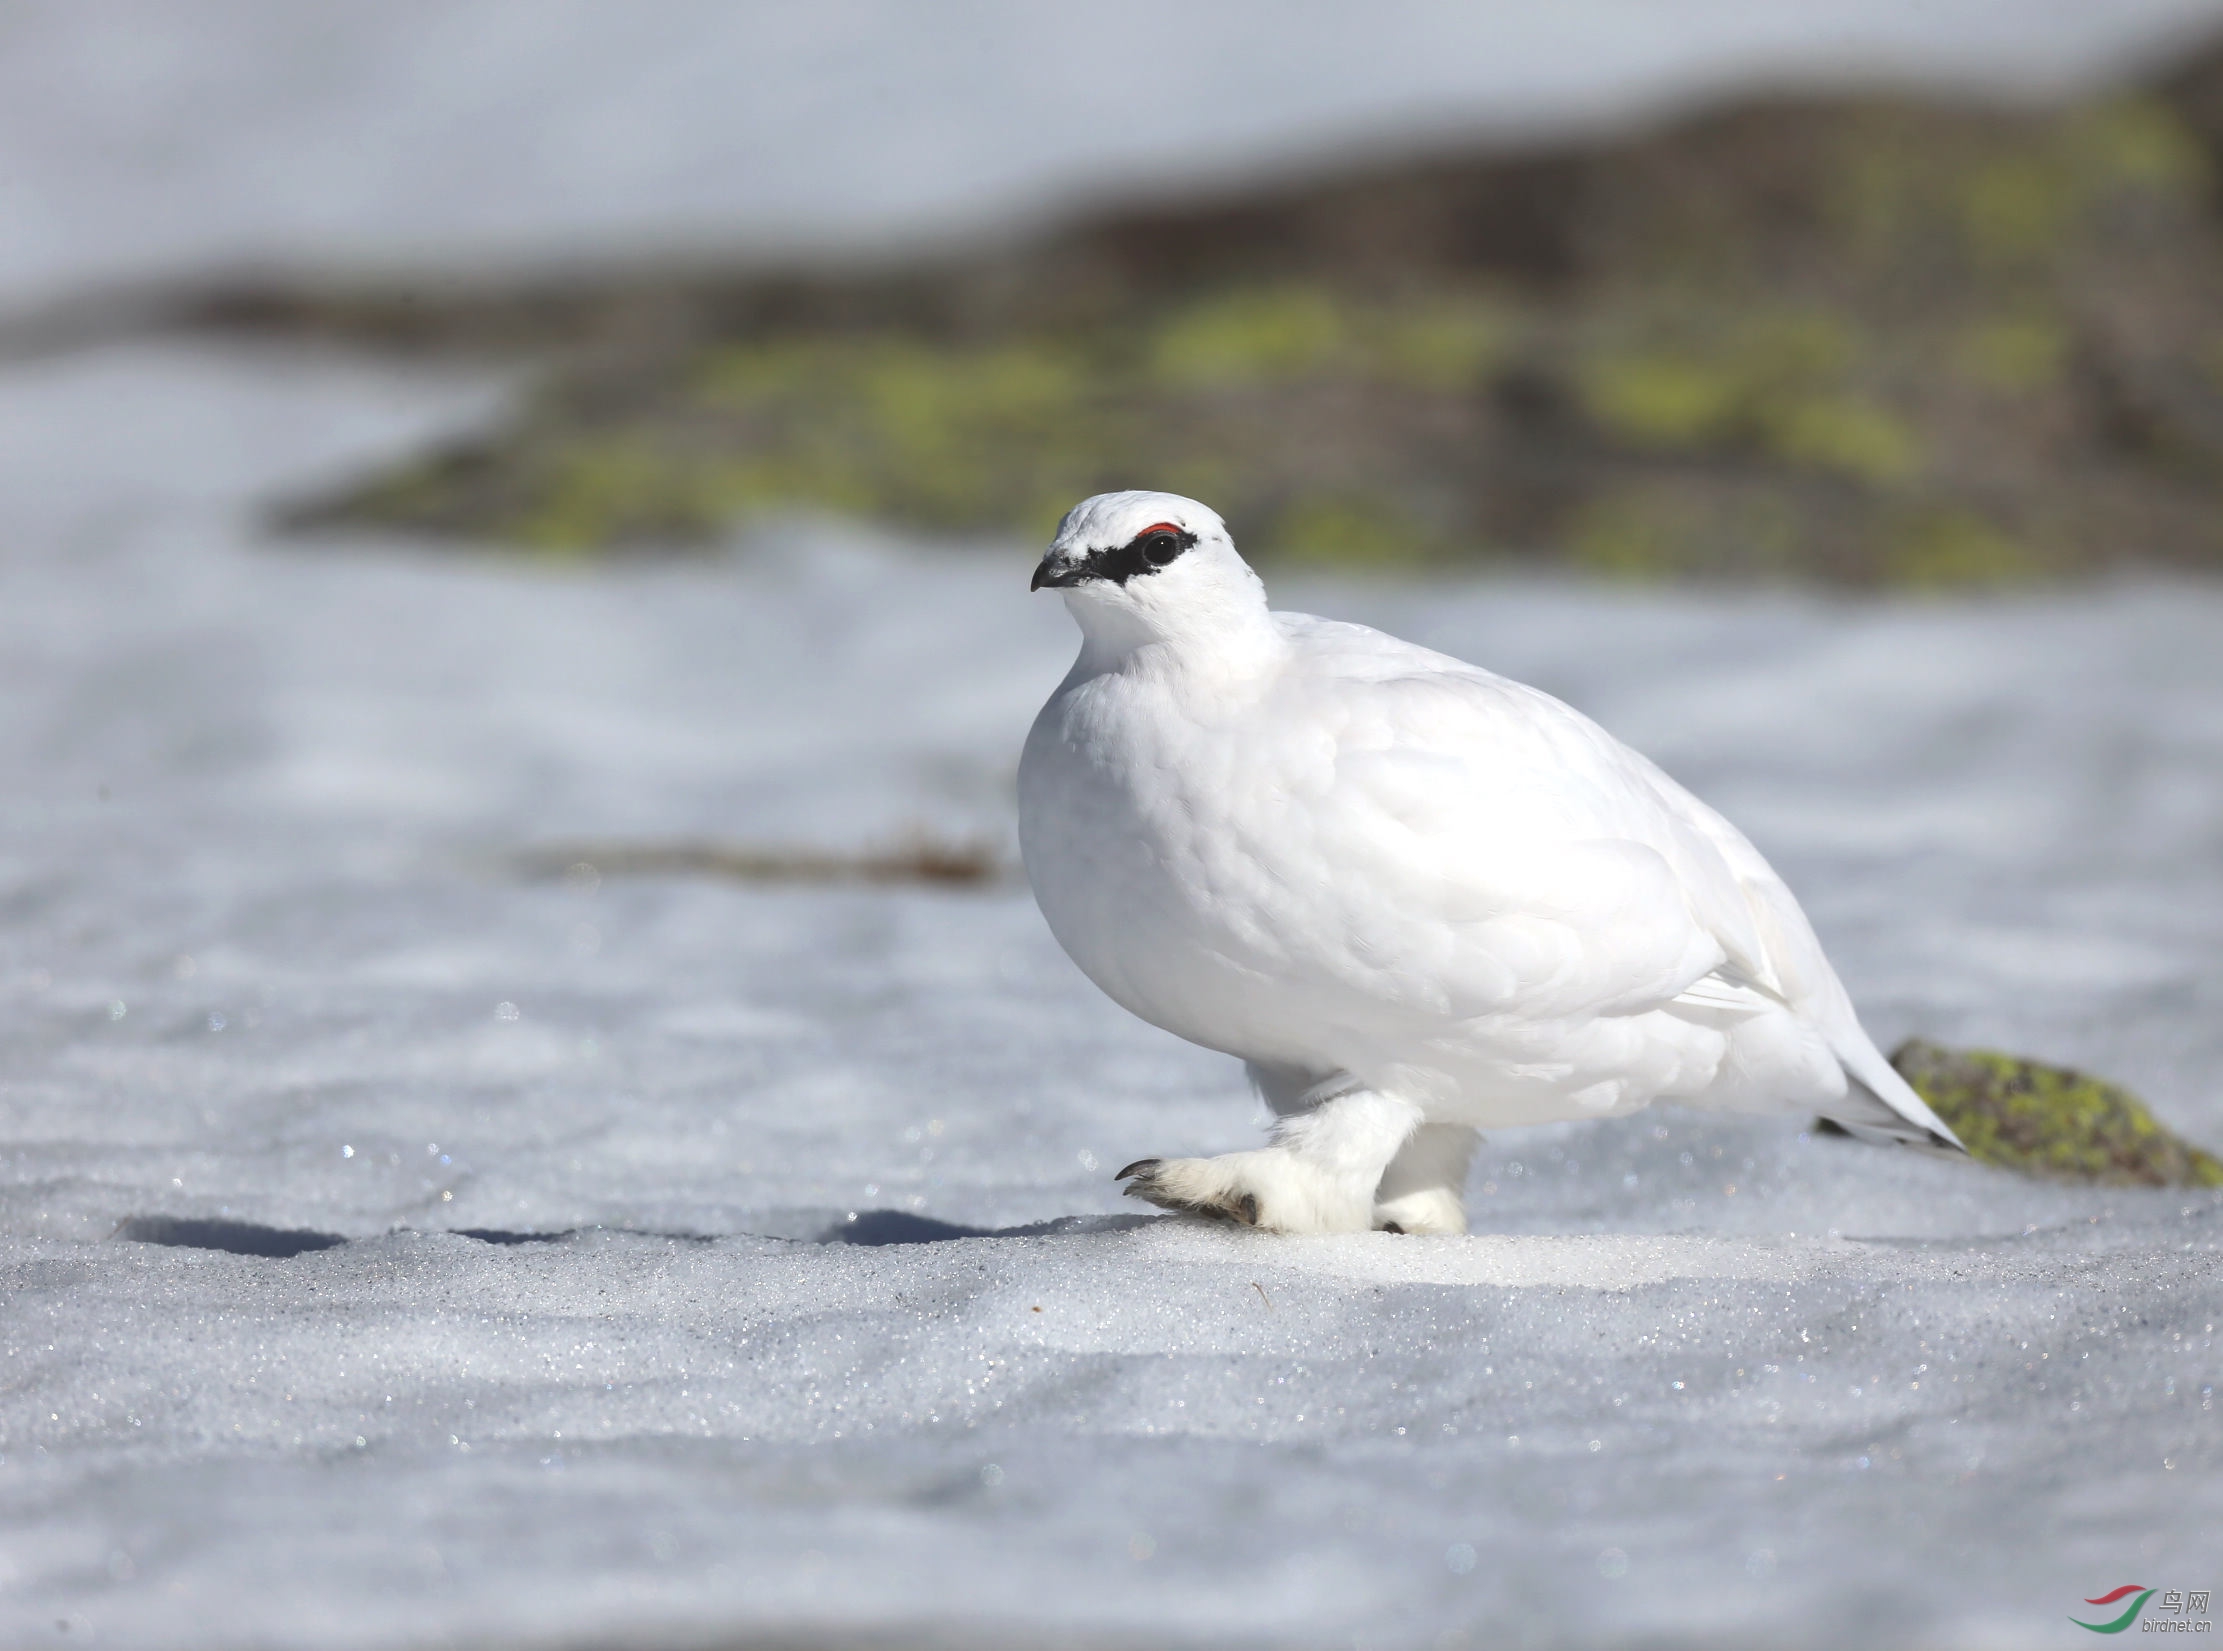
(1161, 547)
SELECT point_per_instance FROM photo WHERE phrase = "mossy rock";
(1869, 340)
(2051, 1121)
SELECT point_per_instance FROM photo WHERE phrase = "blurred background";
(515, 518)
(1915, 293)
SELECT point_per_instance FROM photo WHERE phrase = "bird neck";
(1224, 641)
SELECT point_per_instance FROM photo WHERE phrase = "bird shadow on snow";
(878, 1227)
(233, 1237)
(871, 1228)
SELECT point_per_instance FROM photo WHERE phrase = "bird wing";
(1570, 875)
(1878, 1102)
(1563, 864)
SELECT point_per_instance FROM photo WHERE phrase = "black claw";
(1143, 1172)
(1393, 1227)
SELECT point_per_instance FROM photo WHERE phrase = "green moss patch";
(2050, 1121)
(1868, 341)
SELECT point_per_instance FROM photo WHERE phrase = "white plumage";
(1417, 898)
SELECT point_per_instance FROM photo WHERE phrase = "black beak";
(1059, 576)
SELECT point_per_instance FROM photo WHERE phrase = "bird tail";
(1879, 1105)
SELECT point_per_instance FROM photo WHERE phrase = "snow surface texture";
(265, 959)
(149, 139)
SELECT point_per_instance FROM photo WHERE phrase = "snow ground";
(147, 140)
(1698, 1382)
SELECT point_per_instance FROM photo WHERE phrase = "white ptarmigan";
(1416, 898)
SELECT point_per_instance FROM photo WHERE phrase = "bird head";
(1143, 567)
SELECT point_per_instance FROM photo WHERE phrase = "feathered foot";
(1319, 1176)
(1182, 1184)
(1424, 1188)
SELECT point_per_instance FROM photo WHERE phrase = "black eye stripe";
(1144, 553)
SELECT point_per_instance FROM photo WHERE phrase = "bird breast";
(1198, 866)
